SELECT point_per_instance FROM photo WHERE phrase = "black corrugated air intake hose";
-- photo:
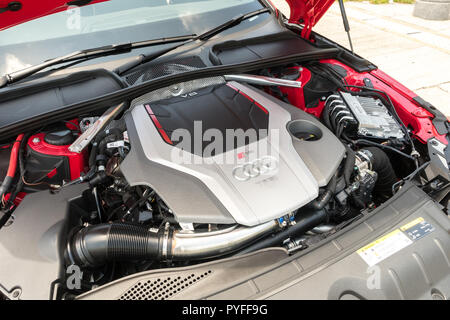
(98, 244)
(382, 166)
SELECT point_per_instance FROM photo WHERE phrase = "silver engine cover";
(250, 184)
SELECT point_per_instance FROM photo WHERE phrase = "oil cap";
(59, 138)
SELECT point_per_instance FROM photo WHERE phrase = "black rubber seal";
(440, 121)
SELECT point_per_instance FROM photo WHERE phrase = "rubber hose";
(113, 242)
(13, 160)
(349, 165)
(325, 197)
(97, 244)
(115, 132)
(307, 219)
(21, 160)
(381, 164)
(99, 146)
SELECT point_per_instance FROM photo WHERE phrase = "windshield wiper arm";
(126, 47)
(230, 23)
(202, 37)
(89, 53)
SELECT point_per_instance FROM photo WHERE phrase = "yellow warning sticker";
(384, 247)
(412, 224)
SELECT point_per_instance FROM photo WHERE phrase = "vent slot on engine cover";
(162, 288)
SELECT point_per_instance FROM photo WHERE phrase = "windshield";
(111, 22)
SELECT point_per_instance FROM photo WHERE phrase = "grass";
(404, 1)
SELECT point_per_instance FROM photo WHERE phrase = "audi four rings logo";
(249, 170)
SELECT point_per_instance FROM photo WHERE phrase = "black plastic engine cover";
(32, 247)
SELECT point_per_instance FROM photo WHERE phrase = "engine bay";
(203, 170)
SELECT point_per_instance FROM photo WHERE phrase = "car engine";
(196, 171)
(227, 187)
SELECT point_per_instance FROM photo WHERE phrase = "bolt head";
(16, 293)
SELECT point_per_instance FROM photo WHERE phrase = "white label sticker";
(115, 144)
(384, 247)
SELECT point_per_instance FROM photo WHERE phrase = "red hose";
(14, 156)
(4, 187)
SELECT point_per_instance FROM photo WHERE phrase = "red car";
(205, 149)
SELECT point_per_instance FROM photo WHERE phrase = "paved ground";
(414, 51)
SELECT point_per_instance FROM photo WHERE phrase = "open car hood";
(12, 12)
(308, 12)
(16, 12)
